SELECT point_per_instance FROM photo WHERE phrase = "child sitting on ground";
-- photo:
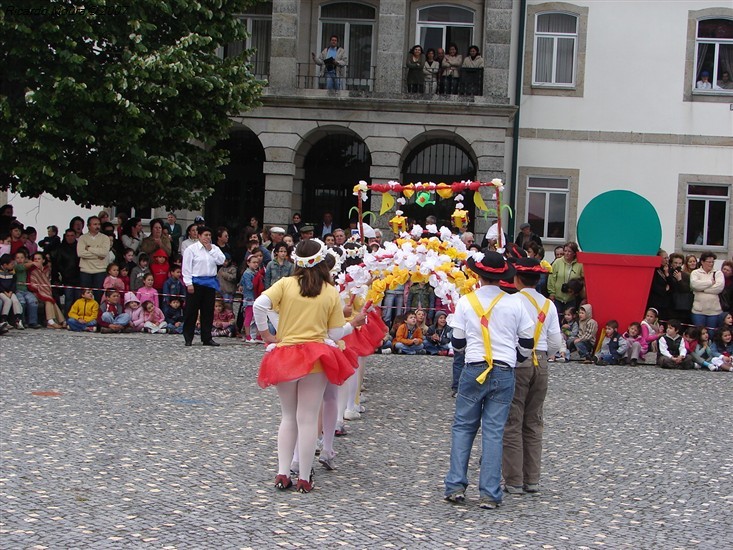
(569, 330)
(633, 345)
(723, 350)
(8, 299)
(585, 342)
(703, 354)
(651, 331)
(133, 309)
(153, 319)
(672, 350)
(422, 322)
(437, 340)
(223, 324)
(409, 340)
(111, 316)
(173, 315)
(613, 347)
(84, 312)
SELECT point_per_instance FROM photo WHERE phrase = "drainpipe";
(517, 100)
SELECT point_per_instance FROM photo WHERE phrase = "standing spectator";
(415, 64)
(660, 296)
(192, 237)
(132, 234)
(451, 66)
(332, 61)
(690, 264)
(707, 283)
(679, 288)
(92, 248)
(6, 217)
(325, 227)
(77, 224)
(495, 330)
(439, 57)
(294, 227)
(704, 82)
(431, 71)
(174, 230)
(526, 235)
(16, 232)
(222, 240)
(726, 297)
(279, 267)
(51, 242)
(65, 263)
(157, 240)
(563, 270)
(276, 237)
(29, 236)
(472, 71)
(200, 262)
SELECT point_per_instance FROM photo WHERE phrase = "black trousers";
(201, 300)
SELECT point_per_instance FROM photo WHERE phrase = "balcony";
(309, 79)
(470, 84)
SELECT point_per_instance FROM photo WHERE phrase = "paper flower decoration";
(360, 189)
(459, 218)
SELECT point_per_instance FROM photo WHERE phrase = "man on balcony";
(332, 62)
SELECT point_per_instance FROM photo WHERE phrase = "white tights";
(353, 386)
(300, 402)
(330, 417)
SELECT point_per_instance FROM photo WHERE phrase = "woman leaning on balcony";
(451, 66)
(415, 77)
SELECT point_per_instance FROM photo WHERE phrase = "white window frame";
(419, 25)
(716, 42)
(707, 199)
(547, 191)
(555, 36)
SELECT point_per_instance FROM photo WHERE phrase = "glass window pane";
(556, 216)
(330, 29)
(716, 223)
(461, 37)
(708, 190)
(564, 67)
(432, 37)
(445, 14)
(348, 10)
(551, 183)
(695, 222)
(536, 212)
(725, 65)
(261, 34)
(715, 28)
(360, 51)
(557, 22)
(543, 60)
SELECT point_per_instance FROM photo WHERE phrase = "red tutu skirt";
(288, 363)
(364, 340)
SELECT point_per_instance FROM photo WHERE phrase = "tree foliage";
(119, 103)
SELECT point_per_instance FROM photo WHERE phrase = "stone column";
(284, 44)
(391, 46)
(278, 192)
(497, 49)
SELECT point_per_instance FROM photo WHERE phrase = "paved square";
(151, 444)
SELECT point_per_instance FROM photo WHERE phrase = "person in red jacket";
(159, 268)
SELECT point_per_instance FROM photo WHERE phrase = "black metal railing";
(260, 69)
(469, 83)
(310, 77)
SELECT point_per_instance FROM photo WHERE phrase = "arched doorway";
(333, 166)
(241, 194)
(438, 160)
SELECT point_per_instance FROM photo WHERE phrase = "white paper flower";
(416, 231)
(459, 206)
(458, 197)
(398, 212)
(477, 256)
(445, 233)
(496, 182)
(431, 228)
(401, 200)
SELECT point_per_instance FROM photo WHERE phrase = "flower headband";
(310, 261)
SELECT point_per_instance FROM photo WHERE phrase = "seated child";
(672, 350)
(409, 340)
(651, 331)
(147, 292)
(153, 319)
(723, 350)
(633, 339)
(227, 276)
(569, 329)
(585, 342)
(703, 354)
(40, 285)
(223, 320)
(173, 315)
(437, 340)
(111, 316)
(8, 299)
(133, 309)
(84, 312)
(422, 320)
(613, 347)
(28, 300)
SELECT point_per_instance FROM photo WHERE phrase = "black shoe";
(188, 343)
(212, 344)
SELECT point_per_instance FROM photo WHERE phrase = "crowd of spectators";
(436, 71)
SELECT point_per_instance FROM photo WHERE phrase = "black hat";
(490, 265)
(529, 265)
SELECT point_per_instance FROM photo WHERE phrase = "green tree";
(119, 103)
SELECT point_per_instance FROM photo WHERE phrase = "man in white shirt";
(200, 262)
(523, 431)
(495, 331)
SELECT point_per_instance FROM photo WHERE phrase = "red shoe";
(303, 486)
(283, 482)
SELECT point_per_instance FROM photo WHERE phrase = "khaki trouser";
(521, 461)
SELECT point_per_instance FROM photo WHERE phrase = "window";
(353, 24)
(555, 43)
(259, 34)
(714, 56)
(556, 39)
(707, 215)
(438, 26)
(547, 206)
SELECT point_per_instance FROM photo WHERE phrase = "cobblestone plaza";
(151, 444)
